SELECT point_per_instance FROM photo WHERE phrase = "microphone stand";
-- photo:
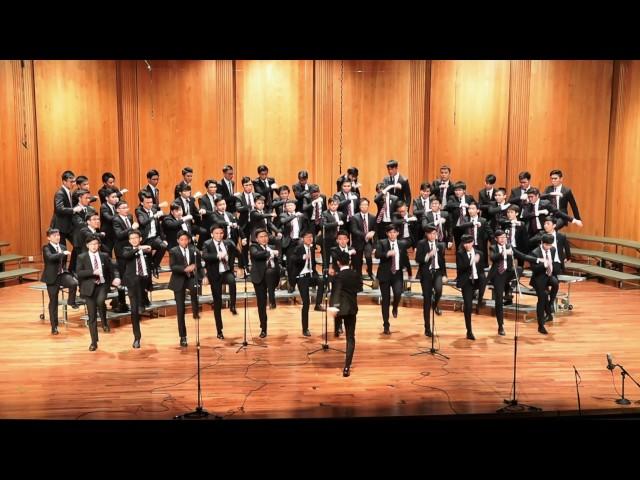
(512, 404)
(327, 286)
(577, 376)
(244, 343)
(199, 412)
(432, 351)
(624, 374)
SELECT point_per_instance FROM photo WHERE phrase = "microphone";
(610, 364)
(148, 65)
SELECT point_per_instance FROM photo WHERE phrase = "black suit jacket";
(260, 188)
(357, 230)
(514, 197)
(210, 255)
(564, 249)
(171, 226)
(331, 227)
(84, 233)
(454, 209)
(129, 254)
(156, 197)
(302, 196)
(566, 199)
(419, 209)
(259, 257)
(463, 267)
(207, 219)
(122, 233)
(78, 221)
(538, 270)
(308, 207)
(84, 271)
(144, 220)
(227, 195)
(384, 269)
(379, 201)
(444, 193)
(403, 194)
(106, 224)
(62, 212)
(496, 258)
(484, 200)
(225, 220)
(257, 220)
(522, 237)
(422, 249)
(286, 222)
(178, 263)
(344, 295)
(484, 233)
(429, 218)
(528, 214)
(297, 257)
(178, 187)
(343, 206)
(52, 263)
(243, 208)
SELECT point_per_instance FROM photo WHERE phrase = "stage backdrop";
(323, 116)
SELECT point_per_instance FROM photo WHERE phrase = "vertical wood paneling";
(274, 114)
(325, 147)
(77, 124)
(622, 203)
(517, 148)
(469, 120)
(376, 118)
(418, 124)
(225, 152)
(569, 110)
(131, 176)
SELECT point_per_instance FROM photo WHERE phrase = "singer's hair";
(364, 199)
(90, 238)
(490, 179)
(80, 193)
(353, 171)
(533, 191)
(514, 208)
(424, 186)
(67, 175)
(152, 173)
(392, 164)
(524, 175)
(263, 168)
(342, 258)
(80, 179)
(445, 167)
(143, 195)
(344, 233)
(246, 180)
(498, 233)
(303, 174)
(258, 231)
(89, 216)
(501, 189)
(120, 203)
(215, 226)
(106, 176)
(51, 231)
(547, 238)
(135, 232)
(556, 172)
(183, 234)
(185, 188)
(110, 191)
(217, 200)
(461, 185)
(227, 168)
(175, 207)
(209, 182)
(186, 170)
(283, 188)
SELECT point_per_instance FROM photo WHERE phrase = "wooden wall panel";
(420, 78)
(622, 203)
(376, 104)
(517, 143)
(274, 113)
(77, 124)
(178, 122)
(326, 136)
(569, 109)
(469, 120)
(10, 134)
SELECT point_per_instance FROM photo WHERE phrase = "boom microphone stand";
(199, 412)
(327, 286)
(432, 351)
(244, 343)
(624, 374)
(512, 404)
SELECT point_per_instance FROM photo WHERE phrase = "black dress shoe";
(319, 308)
(233, 310)
(183, 342)
(346, 372)
(306, 332)
(136, 343)
(507, 301)
(220, 336)
(54, 331)
(470, 336)
(438, 311)
(386, 331)
(74, 305)
(272, 306)
(548, 318)
(263, 333)
(427, 333)
(290, 290)
(336, 334)
(501, 331)
(196, 316)
(93, 347)
(394, 312)
(542, 330)
(106, 328)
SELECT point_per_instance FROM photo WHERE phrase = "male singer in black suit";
(560, 243)
(393, 258)
(109, 183)
(63, 209)
(208, 204)
(363, 232)
(344, 304)
(226, 188)
(386, 204)
(470, 277)
(264, 274)
(96, 274)
(187, 178)
(149, 216)
(221, 216)
(536, 210)
(245, 202)
(516, 230)
(519, 195)
(301, 190)
(92, 227)
(351, 176)
(303, 258)
(123, 225)
(78, 220)
(421, 206)
(107, 214)
(479, 229)
(174, 224)
(401, 188)
(440, 219)
(56, 275)
(561, 197)
(189, 209)
(185, 265)
(137, 278)
(315, 204)
(544, 279)
(502, 271)
(457, 206)
(486, 197)
(348, 202)
(293, 224)
(265, 185)
(497, 210)
(432, 272)
(220, 256)
(332, 221)
(443, 187)
(153, 178)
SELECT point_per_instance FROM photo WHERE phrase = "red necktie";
(96, 267)
(393, 261)
(224, 262)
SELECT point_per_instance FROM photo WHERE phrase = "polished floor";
(56, 377)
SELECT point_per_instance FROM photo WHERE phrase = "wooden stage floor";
(56, 377)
